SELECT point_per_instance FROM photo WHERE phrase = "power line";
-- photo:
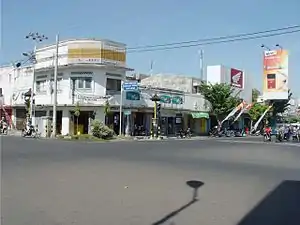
(215, 38)
(24, 61)
(213, 42)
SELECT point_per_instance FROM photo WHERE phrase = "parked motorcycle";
(4, 129)
(279, 136)
(184, 134)
(30, 132)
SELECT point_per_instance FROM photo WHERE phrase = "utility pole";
(201, 64)
(151, 67)
(121, 109)
(55, 87)
(36, 37)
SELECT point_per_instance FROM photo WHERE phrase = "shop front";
(199, 123)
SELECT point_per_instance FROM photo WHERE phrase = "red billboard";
(237, 78)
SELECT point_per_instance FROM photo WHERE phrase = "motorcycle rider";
(3, 124)
(268, 131)
(28, 126)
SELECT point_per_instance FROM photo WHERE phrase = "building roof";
(64, 42)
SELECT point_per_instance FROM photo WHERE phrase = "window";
(41, 86)
(80, 83)
(88, 83)
(113, 84)
(83, 83)
(59, 80)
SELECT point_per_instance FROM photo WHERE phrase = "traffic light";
(27, 103)
(158, 108)
(27, 100)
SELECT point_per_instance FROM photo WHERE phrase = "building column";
(65, 125)
(13, 118)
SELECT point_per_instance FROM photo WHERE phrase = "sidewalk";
(14, 133)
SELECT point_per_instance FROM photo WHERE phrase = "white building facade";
(90, 73)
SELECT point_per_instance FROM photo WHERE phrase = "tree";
(107, 111)
(280, 106)
(256, 111)
(222, 98)
(292, 119)
(255, 94)
(77, 114)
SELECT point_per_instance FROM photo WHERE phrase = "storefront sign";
(167, 99)
(96, 53)
(91, 98)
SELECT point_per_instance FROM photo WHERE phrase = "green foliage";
(256, 111)
(100, 130)
(77, 110)
(77, 114)
(221, 98)
(107, 108)
(81, 137)
(255, 94)
(280, 106)
(292, 119)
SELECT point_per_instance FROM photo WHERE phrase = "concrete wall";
(173, 82)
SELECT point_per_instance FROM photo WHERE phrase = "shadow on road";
(195, 185)
(280, 207)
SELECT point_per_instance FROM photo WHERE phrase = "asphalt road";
(48, 182)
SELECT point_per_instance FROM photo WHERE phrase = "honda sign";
(237, 78)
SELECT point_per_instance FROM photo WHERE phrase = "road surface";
(51, 182)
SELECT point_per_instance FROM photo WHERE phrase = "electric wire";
(216, 38)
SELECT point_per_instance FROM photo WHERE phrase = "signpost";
(126, 86)
(130, 86)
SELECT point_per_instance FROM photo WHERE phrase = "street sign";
(130, 86)
(127, 112)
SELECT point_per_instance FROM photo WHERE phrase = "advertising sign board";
(275, 74)
(237, 78)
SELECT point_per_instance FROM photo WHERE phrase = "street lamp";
(279, 46)
(265, 47)
(36, 37)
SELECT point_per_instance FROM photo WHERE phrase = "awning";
(200, 115)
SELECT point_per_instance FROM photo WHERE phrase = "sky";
(140, 23)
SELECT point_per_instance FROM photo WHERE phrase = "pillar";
(65, 125)
(14, 118)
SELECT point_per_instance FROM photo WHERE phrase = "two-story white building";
(90, 73)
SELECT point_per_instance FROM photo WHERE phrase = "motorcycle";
(30, 132)
(184, 134)
(214, 132)
(188, 133)
(296, 136)
(267, 137)
(4, 129)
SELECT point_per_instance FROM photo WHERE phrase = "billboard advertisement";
(275, 74)
(237, 78)
(96, 53)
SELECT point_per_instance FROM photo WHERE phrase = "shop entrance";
(81, 123)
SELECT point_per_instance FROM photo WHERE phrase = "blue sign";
(133, 95)
(130, 86)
